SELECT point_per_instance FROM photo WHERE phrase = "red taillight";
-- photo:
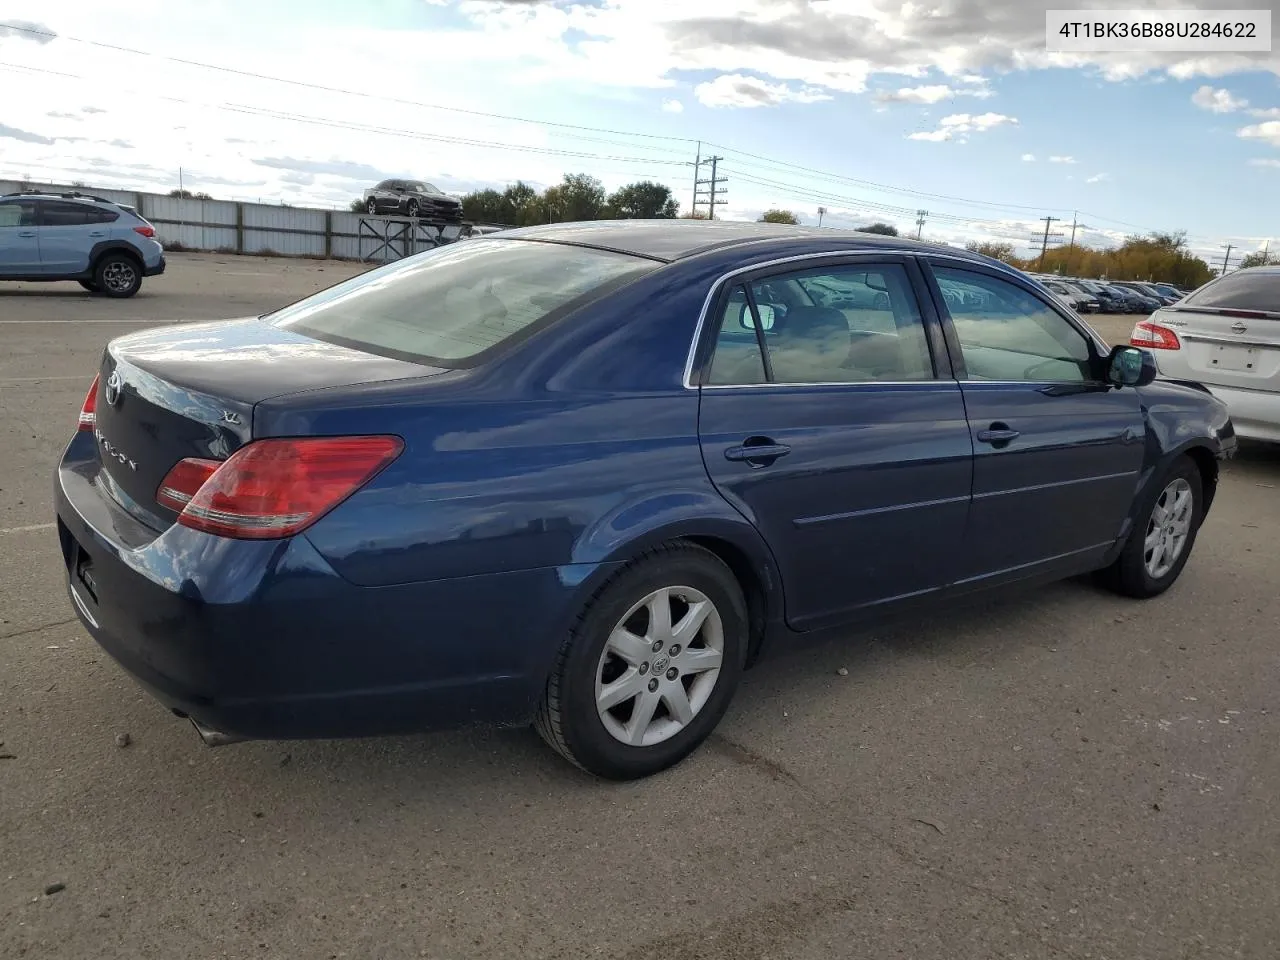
(146, 231)
(184, 481)
(89, 409)
(1152, 336)
(274, 488)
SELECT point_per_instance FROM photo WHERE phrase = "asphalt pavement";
(1060, 774)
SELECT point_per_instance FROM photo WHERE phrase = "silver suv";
(105, 246)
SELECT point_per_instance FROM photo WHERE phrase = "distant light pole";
(821, 212)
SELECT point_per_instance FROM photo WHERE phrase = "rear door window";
(456, 306)
(1245, 290)
(57, 213)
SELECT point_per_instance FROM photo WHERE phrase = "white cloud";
(931, 93)
(957, 125)
(1264, 162)
(1029, 158)
(1098, 178)
(1217, 101)
(1267, 132)
(672, 106)
(739, 90)
(1270, 113)
(1057, 159)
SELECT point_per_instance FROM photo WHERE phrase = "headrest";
(813, 323)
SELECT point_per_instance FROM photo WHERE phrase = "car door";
(68, 232)
(19, 240)
(1057, 450)
(837, 430)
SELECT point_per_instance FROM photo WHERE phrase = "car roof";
(669, 240)
(39, 195)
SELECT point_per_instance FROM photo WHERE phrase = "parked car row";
(1111, 296)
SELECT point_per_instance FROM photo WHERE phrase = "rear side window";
(54, 213)
(456, 305)
(1245, 290)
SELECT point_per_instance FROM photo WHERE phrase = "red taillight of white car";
(270, 489)
(1153, 336)
(89, 409)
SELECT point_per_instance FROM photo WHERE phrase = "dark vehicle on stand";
(412, 198)
(581, 475)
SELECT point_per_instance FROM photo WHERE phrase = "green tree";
(357, 205)
(886, 229)
(993, 249)
(779, 216)
(577, 197)
(644, 200)
(1259, 258)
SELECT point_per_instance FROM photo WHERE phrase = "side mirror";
(1131, 367)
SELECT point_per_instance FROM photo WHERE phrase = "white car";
(1226, 335)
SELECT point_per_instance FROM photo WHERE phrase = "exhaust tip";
(215, 738)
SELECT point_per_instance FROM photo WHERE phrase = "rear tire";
(118, 275)
(634, 691)
(1170, 520)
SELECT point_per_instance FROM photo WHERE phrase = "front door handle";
(998, 434)
(97, 233)
(757, 451)
(26, 233)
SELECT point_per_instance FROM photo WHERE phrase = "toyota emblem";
(111, 392)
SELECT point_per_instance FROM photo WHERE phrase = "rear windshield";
(1245, 290)
(456, 305)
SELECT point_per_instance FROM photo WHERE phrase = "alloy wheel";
(1168, 528)
(659, 666)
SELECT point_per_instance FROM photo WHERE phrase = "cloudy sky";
(871, 108)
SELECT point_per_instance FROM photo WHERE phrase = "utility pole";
(1075, 225)
(697, 169)
(821, 212)
(1044, 245)
(714, 189)
(1225, 258)
(921, 215)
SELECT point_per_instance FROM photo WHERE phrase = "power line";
(49, 34)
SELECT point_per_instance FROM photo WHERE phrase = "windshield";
(455, 305)
(1242, 290)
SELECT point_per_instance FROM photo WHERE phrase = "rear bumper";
(265, 640)
(1254, 413)
(155, 269)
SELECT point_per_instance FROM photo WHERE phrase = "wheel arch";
(100, 250)
(1206, 462)
(714, 526)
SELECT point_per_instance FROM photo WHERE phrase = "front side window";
(1007, 333)
(452, 305)
(839, 324)
(18, 213)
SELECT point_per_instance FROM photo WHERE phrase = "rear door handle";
(998, 433)
(26, 233)
(757, 451)
(97, 233)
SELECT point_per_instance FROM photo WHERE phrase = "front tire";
(118, 275)
(649, 667)
(371, 207)
(411, 209)
(1160, 544)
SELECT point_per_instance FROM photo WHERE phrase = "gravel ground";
(1062, 774)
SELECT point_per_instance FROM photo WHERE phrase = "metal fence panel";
(285, 244)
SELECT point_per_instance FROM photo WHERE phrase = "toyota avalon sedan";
(580, 475)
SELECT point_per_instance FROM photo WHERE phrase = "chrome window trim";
(764, 265)
(1103, 348)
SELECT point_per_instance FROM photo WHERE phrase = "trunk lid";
(190, 390)
(1223, 346)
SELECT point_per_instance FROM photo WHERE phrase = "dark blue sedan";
(581, 474)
